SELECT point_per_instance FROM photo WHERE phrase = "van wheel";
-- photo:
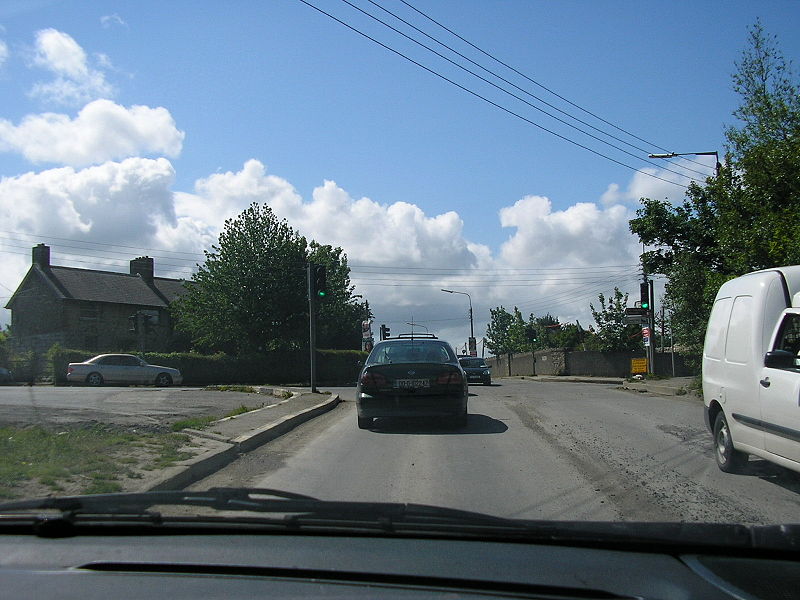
(729, 459)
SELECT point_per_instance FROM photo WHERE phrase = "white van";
(751, 369)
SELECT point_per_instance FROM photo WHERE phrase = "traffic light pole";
(312, 327)
(652, 315)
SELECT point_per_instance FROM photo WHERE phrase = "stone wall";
(594, 364)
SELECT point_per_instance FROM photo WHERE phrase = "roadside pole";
(312, 327)
(652, 315)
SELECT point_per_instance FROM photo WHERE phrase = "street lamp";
(417, 325)
(471, 329)
(675, 154)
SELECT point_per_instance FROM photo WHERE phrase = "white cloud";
(582, 235)
(101, 131)
(75, 81)
(108, 21)
(113, 202)
(3, 52)
(132, 203)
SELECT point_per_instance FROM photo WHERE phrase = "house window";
(89, 312)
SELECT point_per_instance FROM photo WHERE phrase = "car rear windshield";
(472, 363)
(416, 351)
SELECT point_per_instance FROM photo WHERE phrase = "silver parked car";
(121, 368)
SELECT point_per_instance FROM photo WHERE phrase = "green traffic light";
(320, 293)
(645, 305)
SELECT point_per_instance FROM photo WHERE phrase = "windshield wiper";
(293, 511)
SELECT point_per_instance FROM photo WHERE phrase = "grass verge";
(205, 421)
(247, 389)
(80, 460)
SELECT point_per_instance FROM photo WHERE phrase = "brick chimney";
(41, 256)
(143, 266)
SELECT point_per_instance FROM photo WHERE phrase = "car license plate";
(405, 384)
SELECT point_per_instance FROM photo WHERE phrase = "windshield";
(242, 213)
(411, 351)
(472, 363)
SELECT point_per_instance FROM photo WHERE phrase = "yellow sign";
(638, 365)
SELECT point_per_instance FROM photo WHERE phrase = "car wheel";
(163, 380)
(364, 422)
(94, 379)
(729, 459)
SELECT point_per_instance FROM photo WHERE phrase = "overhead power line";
(533, 81)
(489, 101)
(643, 151)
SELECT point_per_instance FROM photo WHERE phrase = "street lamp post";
(472, 346)
(714, 153)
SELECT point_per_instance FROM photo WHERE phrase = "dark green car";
(412, 377)
(476, 369)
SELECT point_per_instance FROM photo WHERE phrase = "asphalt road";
(531, 449)
(143, 407)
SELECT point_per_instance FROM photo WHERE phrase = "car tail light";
(449, 377)
(70, 370)
(372, 380)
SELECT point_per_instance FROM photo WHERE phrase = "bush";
(276, 367)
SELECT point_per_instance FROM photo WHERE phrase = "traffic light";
(644, 294)
(320, 281)
(384, 332)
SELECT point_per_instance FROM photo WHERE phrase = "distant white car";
(121, 368)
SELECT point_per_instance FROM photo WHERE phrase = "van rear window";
(717, 325)
(738, 347)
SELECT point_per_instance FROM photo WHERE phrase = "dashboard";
(183, 566)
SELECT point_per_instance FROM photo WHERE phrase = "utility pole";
(652, 329)
(312, 326)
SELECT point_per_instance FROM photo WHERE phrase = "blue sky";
(145, 125)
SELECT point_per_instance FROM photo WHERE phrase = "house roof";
(106, 286)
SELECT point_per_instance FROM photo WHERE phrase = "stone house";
(90, 309)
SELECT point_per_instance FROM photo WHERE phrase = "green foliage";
(339, 316)
(499, 340)
(250, 294)
(511, 333)
(613, 334)
(747, 217)
(5, 349)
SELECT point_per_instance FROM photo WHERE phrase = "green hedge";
(334, 367)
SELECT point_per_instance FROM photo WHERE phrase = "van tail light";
(373, 380)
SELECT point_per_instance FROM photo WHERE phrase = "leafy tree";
(510, 332)
(498, 338)
(5, 348)
(339, 316)
(613, 334)
(250, 294)
(747, 216)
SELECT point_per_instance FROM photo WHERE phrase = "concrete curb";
(564, 379)
(223, 452)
